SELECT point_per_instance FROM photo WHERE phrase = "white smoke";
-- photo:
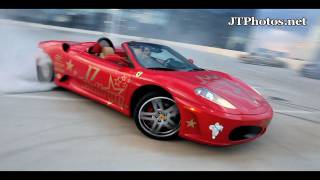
(18, 50)
(18, 47)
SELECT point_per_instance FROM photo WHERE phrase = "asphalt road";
(46, 128)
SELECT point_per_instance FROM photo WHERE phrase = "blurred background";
(293, 47)
(207, 27)
(282, 62)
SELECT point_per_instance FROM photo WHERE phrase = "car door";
(104, 79)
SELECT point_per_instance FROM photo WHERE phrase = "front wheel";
(157, 116)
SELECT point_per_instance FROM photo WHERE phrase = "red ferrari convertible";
(165, 93)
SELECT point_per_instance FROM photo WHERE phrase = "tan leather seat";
(106, 51)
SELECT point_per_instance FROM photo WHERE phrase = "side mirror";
(117, 60)
(191, 61)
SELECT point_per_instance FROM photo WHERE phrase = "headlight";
(203, 92)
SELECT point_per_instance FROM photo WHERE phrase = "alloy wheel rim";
(159, 116)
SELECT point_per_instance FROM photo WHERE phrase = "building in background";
(197, 26)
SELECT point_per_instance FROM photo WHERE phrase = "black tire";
(45, 72)
(144, 99)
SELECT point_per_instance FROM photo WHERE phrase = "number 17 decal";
(96, 71)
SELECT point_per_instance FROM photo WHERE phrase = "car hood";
(242, 96)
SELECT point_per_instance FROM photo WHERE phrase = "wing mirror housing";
(65, 47)
(191, 61)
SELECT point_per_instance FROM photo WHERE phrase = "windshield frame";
(170, 50)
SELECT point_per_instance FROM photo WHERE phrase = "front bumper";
(196, 125)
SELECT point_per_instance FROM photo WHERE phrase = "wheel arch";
(139, 92)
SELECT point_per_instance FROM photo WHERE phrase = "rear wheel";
(44, 68)
(157, 116)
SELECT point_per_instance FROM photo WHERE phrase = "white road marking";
(296, 112)
(266, 89)
(43, 97)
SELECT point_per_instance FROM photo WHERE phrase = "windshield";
(154, 56)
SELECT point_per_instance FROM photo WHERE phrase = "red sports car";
(165, 93)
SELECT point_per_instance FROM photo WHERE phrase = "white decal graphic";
(216, 129)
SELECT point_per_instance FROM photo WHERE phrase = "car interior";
(102, 48)
(105, 49)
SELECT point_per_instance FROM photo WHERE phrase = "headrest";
(95, 49)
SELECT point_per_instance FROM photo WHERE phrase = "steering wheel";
(167, 61)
